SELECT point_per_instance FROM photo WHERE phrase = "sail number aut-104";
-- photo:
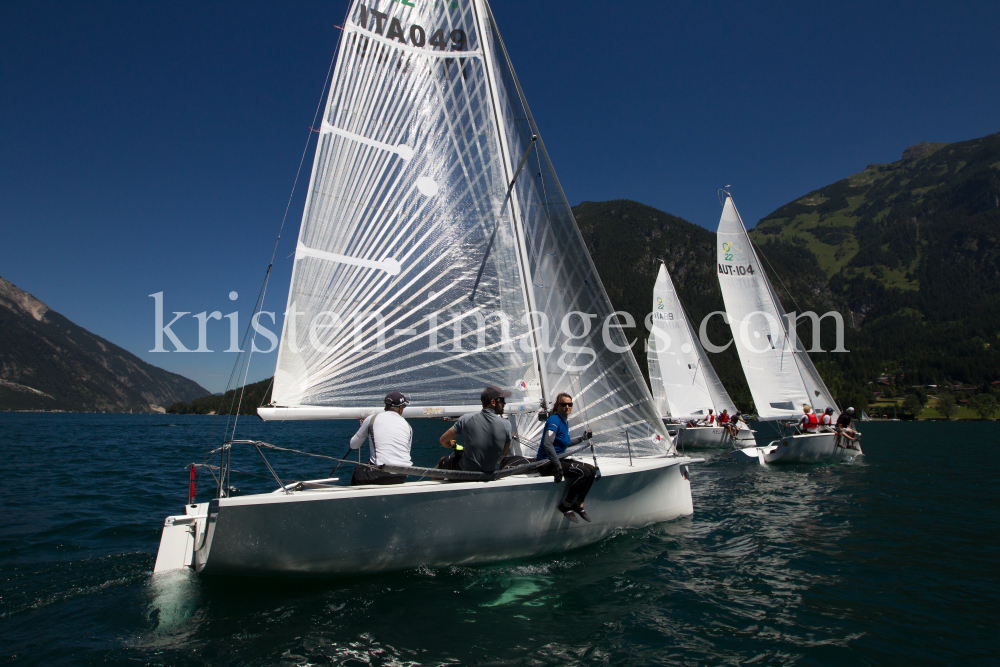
(730, 270)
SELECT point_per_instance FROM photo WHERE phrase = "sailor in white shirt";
(389, 438)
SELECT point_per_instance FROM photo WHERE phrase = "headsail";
(685, 378)
(781, 376)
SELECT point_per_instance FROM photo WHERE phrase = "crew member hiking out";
(727, 424)
(486, 436)
(555, 440)
(843, 428)
(389, 439)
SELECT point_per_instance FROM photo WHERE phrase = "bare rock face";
(914, 153)
(17, 299)
(49, 363)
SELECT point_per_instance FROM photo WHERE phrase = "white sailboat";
(438, 254)
(684, 383)
(781, 376)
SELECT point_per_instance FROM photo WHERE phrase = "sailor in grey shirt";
(486, 435)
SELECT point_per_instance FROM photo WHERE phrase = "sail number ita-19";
(442, 38)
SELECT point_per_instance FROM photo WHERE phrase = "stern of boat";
(181, 535)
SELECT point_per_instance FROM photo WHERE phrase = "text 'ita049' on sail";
(437, 254)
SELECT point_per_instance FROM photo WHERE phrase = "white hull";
(712, 436)
(352, 530)
(804, 448)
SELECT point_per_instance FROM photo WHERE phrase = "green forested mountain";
(242, 400)
(908, 252)
(49, 363)
(912, 248)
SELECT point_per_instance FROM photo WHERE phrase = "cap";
(829, 410)
(395, 399)
(850, 409)
(491, 393)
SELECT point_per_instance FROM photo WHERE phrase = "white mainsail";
(685, 385)
(781, 376)
(414, 269)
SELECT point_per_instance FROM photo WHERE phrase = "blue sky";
(151, 146)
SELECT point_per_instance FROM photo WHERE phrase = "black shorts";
(364, 475)
(450, 462)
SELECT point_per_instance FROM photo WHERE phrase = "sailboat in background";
(781, 376)
(431, 261)
(684, 383)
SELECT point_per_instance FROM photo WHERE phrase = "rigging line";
(281, 228)
(496, 224)
(264, 396)
(253, 344)
(305, 149)
(237, 364)
(760, 253)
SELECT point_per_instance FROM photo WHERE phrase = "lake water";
(889, 560)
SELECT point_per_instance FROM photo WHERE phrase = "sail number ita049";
(370, 18)
(738, 270)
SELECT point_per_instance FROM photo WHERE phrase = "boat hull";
(806, 448)
(352, 530)
(705, 437)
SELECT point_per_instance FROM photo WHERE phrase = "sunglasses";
(564, 405)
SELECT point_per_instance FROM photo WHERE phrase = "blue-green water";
(890, 560)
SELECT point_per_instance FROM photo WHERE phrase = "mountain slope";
(626, 240)
(907, 252)
(913, 248)
(49, 363)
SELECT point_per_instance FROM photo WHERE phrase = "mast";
(515, 208)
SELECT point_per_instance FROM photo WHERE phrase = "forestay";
(781, 376)
(685, 384)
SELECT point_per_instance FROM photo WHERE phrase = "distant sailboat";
(685, 385)
(781, 376)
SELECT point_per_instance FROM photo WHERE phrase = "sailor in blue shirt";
(555, 440)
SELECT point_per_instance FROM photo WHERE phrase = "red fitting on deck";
(191, 488)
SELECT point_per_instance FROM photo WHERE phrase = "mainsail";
(437, 253)
(781, 376)
(684, 383)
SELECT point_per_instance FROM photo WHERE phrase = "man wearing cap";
(389, 438)
(485, 434)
